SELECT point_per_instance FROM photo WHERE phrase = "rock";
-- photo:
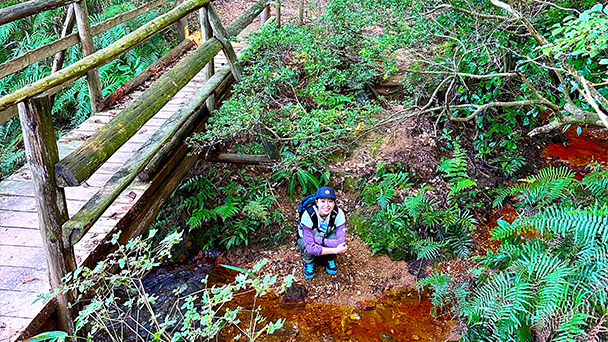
(295, 295)
(384, 337)
(366, 305)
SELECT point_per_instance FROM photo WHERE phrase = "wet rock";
(366, 305)
(286, 330)
(384, 337)
(295, 295)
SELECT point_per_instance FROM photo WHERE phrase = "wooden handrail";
(102, 57)
(25, 9)
(191, 112)
(82, 163)
(26, 59)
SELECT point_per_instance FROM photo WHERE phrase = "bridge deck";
(23, 268)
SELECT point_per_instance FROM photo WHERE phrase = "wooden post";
(206, 34)
(278, 4)
(68, 25)
(182, 25)
(86, 41)
(265, 15)
(301, 13)
(42, 154)
(222, 36)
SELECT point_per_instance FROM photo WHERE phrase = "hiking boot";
(331, 267)
(309, 270)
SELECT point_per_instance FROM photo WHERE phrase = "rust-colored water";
(579, 150)
(401, 315)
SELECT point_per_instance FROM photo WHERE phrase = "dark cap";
(326, 192)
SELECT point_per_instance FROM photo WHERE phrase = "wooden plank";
(42, 155)
(23, 257)
(19, 237)
(21, 219)
(103, 56)
(24, 279)
(25, 9)
(15, 304)
(81, 164)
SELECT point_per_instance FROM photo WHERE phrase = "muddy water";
(400, 315)
(580, 150)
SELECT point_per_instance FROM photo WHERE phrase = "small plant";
(232, 213)
(121, 305)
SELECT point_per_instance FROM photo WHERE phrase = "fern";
(455, 168)
(226, 211)
(428, 249)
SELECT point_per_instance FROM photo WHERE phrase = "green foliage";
(305, 91)
(403, 226)
(121, 303)
(232, 213)
(549, 277)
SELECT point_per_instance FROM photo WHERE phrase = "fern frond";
(226, 211)
(428, 248)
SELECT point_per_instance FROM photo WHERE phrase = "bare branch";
(464, 74)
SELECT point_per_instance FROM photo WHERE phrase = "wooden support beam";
(206, 34)
(103, 56)
(265, 15)
(182, 25)
(236, 158)
(25, 9)
(86, 42)
(144, 75)
(42, 154)
(80, 164)
(224, 38)
(278, 4)
(68, 25)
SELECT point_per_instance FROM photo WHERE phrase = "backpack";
(306, 204)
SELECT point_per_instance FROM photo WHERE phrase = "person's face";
(325, 205)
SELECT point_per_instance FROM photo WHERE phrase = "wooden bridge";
(113, 173)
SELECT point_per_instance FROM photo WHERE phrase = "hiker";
(321, 230)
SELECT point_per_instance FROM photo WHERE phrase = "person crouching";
(322, 232)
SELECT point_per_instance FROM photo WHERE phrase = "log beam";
(42, 154)
(25, 9)
(224, 38)
(143, 76)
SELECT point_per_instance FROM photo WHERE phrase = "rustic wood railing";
(50, 175)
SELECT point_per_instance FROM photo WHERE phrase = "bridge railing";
(50, 175)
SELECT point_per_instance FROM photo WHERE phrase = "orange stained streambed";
(400, 315)
(580, 150)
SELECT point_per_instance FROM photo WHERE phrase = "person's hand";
(342, 247)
